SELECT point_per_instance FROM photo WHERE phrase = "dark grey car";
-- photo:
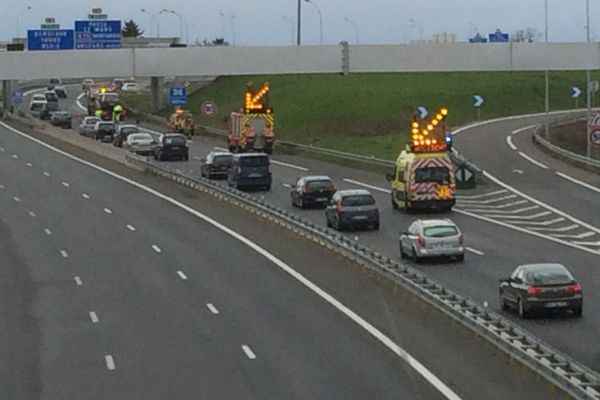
(352, 209)
(216, 164)
(541, 287)
(250, 171)
(312, 191)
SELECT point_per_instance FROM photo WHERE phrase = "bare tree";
(527, 35)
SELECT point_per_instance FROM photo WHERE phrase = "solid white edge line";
(182, 275)
(525, 128)
(358, 183)
(510, 143)
(372, 330)
(523, 230)
(479, 196)
(475, 251)
(110, 362)
(212, 308)
(578, 182)
(283, 164)
(249, 353)
(32, 91)
(78, 103)
(94, 317)
(533, 161)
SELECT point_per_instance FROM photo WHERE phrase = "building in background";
(438, 38)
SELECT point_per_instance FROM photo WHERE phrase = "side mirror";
(389, 177)
(294, 186)
(516, 280)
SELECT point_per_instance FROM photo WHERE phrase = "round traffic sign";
(595, 135)
(208, 108)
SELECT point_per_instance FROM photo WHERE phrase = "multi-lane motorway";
(112, 290)
(532, 209)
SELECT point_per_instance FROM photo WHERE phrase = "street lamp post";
(182, 20)
(18, 20)
(153, 17)
(299, 24)
(589, 88)
(320, 19)
(546, 78)
(285, 17)
(355, 27)
(231, 20)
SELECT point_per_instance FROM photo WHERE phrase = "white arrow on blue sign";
(177, 96)
(422, 112)
(575, 92)
(477, 101)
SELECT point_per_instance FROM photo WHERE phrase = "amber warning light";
(256, 101)
(428, 136)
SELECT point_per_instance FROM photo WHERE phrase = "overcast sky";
(264, 22)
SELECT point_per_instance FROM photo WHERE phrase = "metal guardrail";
(569, 156)
(574, 378)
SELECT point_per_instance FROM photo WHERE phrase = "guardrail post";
(156, 88)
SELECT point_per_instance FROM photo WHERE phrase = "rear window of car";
(107, 126)
(223, 159)
(254, 161)
(358, 200)
(62, 114)
(440, 231)
(432, 174)
(549, 277)
(91, 121)
(320, 184)
(129, 131)
(37, 106)
(52, 106)
(174, 140)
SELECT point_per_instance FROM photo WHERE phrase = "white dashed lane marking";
(47, 231)
(78, 281)
(249, 353)
(510, 143)
(46, 174)
(156, 248)
(475, 251)
(17, 199)
(64, 254)
(16, 157)
(212, 308)
(29, 164)
(182, 275)
(533, 161)
(66, 184)
(31, 214)
(131, 228)
(110, 362)
(94, 317)
(85, 196)
(108, 210)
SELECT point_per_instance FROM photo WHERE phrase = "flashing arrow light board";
(256, 102)
(429, 136)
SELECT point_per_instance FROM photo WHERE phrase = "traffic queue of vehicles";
(423, 178)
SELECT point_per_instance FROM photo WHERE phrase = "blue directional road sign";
(477, 101)
(498, 37)
(17, 97)
(177, 96)
(49, 39)
(422, 112)
(575, 92)
(97, 34)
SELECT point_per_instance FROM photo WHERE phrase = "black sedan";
(216, 164)
(312, 191)
(541, 287)
(62, 119)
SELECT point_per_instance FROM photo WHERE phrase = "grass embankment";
(370, 113)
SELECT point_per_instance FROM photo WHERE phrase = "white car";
(36, 106)
(37, 99)
(130, 87)
(86, 84)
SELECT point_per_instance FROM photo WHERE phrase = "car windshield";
(319, 184)
(432, 174)
(254, 161)
(358, 200)
(37, 106)
(440, 231)
(129, 130)
(62, 114)
(139, 137)
(91, 121)
(52, 106)
(107, 126)
(552, 276)
(178, 140)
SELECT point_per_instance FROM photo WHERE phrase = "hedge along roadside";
(574, 378)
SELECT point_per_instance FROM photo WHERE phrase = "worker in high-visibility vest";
(117, 110)
(98, 113)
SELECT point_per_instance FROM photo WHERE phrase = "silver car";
(432, 238)
(88, 126)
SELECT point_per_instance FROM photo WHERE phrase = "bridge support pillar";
(7, 94)
(156, 88)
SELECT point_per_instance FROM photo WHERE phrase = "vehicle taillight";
(239, 170)
(461, 239)
(307, 189)
(534, 290)
(187, 145)
(421, 240)
(574, 288)
(339, 207)
(331, 189)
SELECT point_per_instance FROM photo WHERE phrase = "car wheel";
(328, 221)
(338, 225)
(503, 305)
(521, 309)
(300, 202)
(394, 205)
(417, 259)
(460, 258)
(402, 253)
(577, 311)
(268, 188)
(376, 226)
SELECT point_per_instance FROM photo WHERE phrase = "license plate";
(360, 217)
(321, 198)
(254, 175)
(555, 304)
(175, 148)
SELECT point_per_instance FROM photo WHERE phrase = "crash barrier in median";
(577, 380)
(578, 160)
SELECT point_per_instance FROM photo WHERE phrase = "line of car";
(529, 289)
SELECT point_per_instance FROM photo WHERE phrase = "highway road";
(504, 226)
(113, 290)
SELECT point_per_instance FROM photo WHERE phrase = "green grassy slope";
(369, 113)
